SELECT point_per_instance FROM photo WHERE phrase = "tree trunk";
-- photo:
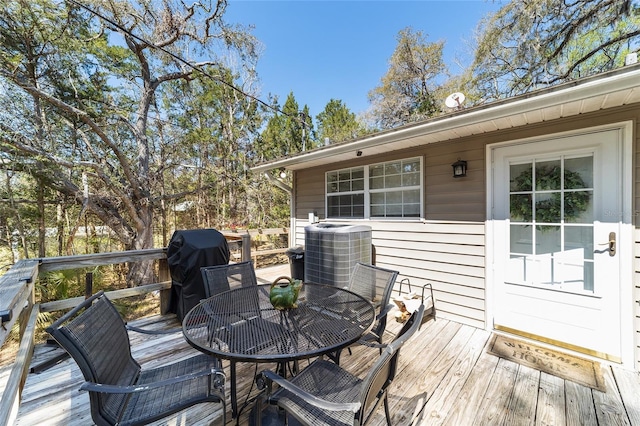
(41, 221)
(142, 272)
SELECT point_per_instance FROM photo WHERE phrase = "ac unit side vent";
(332, 250)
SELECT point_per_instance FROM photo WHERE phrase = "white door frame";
(625, 240)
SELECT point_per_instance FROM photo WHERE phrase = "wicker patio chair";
(120, 391)
(326, 394)
(221, 278)
(374, 284)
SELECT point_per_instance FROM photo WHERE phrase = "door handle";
(611, 243)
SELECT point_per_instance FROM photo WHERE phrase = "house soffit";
(609, 90)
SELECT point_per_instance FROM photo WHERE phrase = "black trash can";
(296, 260)
(187, 252)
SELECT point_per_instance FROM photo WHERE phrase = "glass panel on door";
(551, 224)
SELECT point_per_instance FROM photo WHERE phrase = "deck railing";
(18, 304)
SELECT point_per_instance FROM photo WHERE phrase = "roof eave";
(576, 91)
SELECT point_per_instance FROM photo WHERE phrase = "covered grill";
(188, 251)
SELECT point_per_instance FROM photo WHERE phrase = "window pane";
(520, 207)
(394, 197)
(412, 210)
(392, 168)
(411, 179)
(548, 175)
(377, 211)
(394, 210)
(377, 170)
(377, 198)
(344, 186)
(579, 238)
(578, 207)
(521, 239)
(376, 183)
(357, 173)
(346, 200)
(333, 206)
(547, 239)
(548, 208)
(578, 173)
(357, 185)
(412, 196)
(394, 181)
(411, 166)
(520, 177)
(344, 175)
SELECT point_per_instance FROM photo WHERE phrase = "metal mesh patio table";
(242, 325)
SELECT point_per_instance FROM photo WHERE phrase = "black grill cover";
(188, 251)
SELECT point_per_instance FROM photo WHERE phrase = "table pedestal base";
(271, 415)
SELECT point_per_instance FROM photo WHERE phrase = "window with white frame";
(392, 189)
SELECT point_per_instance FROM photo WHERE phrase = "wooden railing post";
(246, 247)
(165, 295)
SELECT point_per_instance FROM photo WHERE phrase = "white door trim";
(625, 240)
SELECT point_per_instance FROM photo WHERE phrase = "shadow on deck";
(446, 377)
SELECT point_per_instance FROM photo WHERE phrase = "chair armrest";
(146, 331)
(306, 396)
(384, 311)
(98, 387)
(367, 340)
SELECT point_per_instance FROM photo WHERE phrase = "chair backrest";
(95, 336)
(384, 369)
(374, 284)
(221, 278)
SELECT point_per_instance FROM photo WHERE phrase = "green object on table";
(284, 293)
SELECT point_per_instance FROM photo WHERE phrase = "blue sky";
(322, 50)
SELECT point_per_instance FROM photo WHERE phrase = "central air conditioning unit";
(332, 250)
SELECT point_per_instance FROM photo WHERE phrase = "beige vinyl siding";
(449, 198)
(449, 255)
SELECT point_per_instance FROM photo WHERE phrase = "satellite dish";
(455, 100)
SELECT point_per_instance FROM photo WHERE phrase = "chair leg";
(257, 421)
(234, 397)
(386, 410)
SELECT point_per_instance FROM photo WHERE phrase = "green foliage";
(539, 43)
(286, 134)
(68, 283)
(337, 123)
(410, 88)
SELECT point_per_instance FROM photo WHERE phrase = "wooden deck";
(446, 377)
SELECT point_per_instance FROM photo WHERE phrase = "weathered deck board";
(609, 406)
(523, 403)
(629, 382)
(467, 403)
(551, 403)
(580, 408)
(445, 377)
(438, 405)
(496, 400)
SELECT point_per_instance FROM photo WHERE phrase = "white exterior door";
(557, 219)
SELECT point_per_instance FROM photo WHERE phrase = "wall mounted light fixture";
(459, 168)
(283, 173)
